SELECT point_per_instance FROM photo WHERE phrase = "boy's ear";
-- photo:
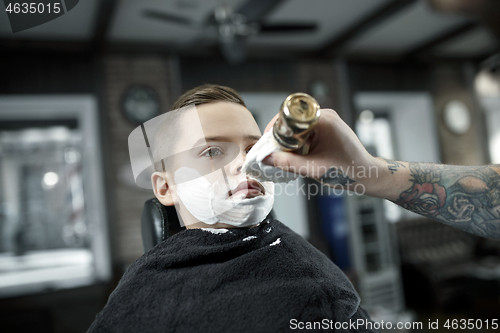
(161, 189)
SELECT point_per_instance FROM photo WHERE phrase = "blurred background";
(418, 80)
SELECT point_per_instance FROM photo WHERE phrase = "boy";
(231, 270)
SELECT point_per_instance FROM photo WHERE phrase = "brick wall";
(264, 76)
(120, 72)
(250, 76)
(310, 72)
(450, 83)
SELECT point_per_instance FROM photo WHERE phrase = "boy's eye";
(212, 152)
(248, 149)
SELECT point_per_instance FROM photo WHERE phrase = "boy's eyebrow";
(221, 138)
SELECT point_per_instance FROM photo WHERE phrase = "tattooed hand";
(467, 198)
(336, 156)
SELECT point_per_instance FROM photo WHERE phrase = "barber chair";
(158, 222)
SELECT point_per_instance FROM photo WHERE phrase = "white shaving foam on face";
(210, 203)
(254, 167)
(194, 191)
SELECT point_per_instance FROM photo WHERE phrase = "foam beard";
(210, 203)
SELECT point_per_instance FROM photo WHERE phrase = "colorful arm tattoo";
(467, 198)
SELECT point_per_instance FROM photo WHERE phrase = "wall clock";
(140, 104)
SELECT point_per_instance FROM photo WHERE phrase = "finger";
(288, 162)
(271, 123)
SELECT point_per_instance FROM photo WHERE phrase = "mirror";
(52, 230)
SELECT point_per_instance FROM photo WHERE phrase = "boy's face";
(204, 178)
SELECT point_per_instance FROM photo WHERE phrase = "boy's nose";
(236, 166)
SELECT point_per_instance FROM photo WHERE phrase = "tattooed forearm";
(467, 198)
(393, 166)
(335, 177)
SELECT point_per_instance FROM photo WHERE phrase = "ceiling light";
(50, 179)
(366, 116)
(487, 84)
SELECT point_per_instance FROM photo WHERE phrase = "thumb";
(287, 161)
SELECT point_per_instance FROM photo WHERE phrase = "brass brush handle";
(298, 115)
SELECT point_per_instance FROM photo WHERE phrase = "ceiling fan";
(231, 27)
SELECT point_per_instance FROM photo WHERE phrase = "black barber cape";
(262, 279)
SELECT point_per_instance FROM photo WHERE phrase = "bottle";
(298, 115)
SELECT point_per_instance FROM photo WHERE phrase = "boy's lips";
(251, 188)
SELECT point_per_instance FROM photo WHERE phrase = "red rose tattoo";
(465, 197)
(425, 199)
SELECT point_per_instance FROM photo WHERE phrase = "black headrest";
(158, 222)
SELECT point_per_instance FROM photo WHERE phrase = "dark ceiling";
(354, 28)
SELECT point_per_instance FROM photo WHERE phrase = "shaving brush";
(298, 115)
